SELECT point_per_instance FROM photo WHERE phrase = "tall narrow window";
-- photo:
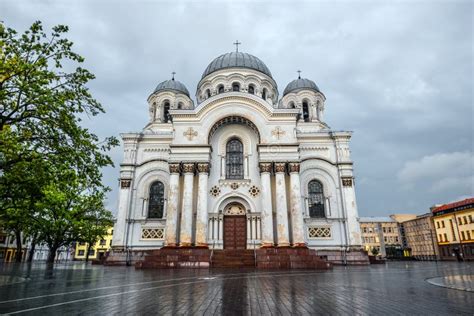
(166, 112)
(156, 200)
(234, 159)
(208, 93)
(316, 199)
(264, 94)
(251, 89)
(318, 109)
(305, 111)
(220, 89)
(235, 87)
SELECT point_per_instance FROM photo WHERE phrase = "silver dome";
(299, 84)
(172, 84)
(236, 59)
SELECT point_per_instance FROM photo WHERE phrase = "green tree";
(43, 98)
(71, 210)
(95, 222)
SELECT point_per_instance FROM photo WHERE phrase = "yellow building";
(8, 247)
(454, 224)
(379, 233)
(98, 250)
(419, 239)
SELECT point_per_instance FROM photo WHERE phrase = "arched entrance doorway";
(235, 226)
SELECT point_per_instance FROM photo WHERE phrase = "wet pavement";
(394, 288)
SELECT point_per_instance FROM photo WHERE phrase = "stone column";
(281, 206)
(267, 212)
(296, 209)
(187, 206)
(201, 218)
(172, 206)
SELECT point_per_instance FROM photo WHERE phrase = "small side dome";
(300, 84)
(173, 85)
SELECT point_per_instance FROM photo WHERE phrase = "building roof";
(173, 85)
(239, 60)
(376, 219)
(455, 206)
(300, 84)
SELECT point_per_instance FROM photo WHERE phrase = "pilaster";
(187, 206)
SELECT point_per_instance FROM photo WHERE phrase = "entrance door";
(235, 232)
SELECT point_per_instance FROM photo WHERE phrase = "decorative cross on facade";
(173, 73)
(237, 43)
(190, 133)
(278, 132)
(299, 74)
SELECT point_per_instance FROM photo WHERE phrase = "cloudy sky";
(399, 74)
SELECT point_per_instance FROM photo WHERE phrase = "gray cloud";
(399, 74)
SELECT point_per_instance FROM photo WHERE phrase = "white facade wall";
(271, 132)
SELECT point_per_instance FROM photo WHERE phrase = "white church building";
(241, 167)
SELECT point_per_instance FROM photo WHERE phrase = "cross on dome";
(299, 74)
(237, 43)
(173, 73)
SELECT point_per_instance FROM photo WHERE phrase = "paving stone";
(395, 288)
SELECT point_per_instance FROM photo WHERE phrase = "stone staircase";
(263, 258)
(230, 258)
(290, 258)
(175, 258)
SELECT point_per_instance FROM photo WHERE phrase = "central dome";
(239, 60)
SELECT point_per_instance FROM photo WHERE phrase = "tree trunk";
(52, 254)
(31, 253)
(87, 251)
(19, 253)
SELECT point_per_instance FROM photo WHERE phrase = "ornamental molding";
(347, 181)
(166, 150)
(215, 191)
(174, 167)
(188, 168)
(316, 148)
(235, 209)
(190, 133)
(280, 167)
(265, 167)
(294, 167)
(278, 132)
(203, 167)
(254, 191)
(235, 97)
(125, 183)
(230, 182)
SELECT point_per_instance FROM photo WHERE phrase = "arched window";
(251, 89)
(234, 159)
(166, 112)
(235, 87)
(156, 200)
(305, 111)
(316, 199)
(264, 94)
(291, 105)
(220, 89)
(208, 93)
(180, 105)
